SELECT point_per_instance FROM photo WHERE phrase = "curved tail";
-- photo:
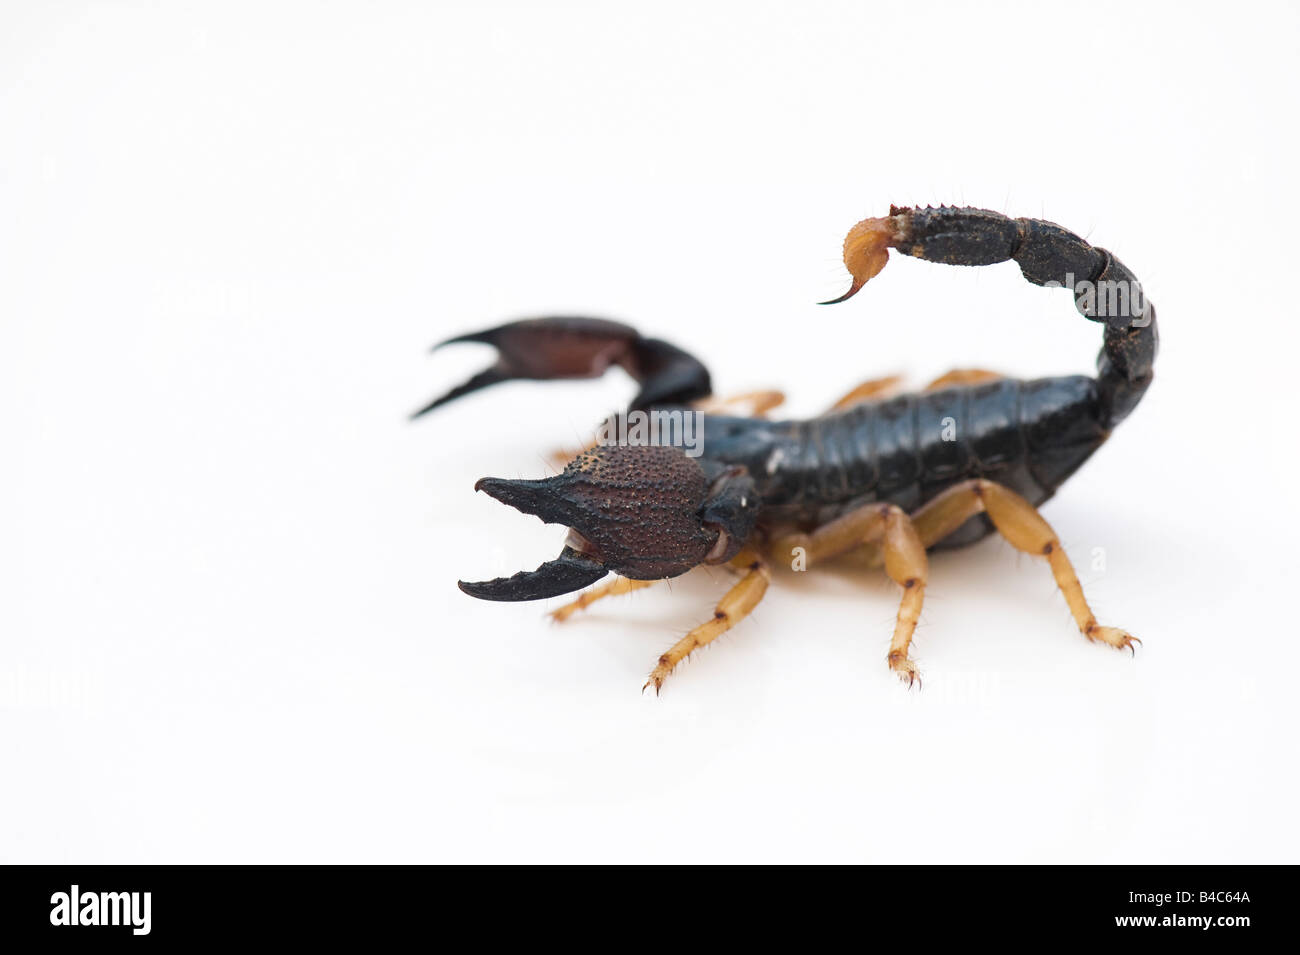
(1104, 288)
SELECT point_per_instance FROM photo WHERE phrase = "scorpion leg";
(886, 387)
(1024, 529)
(754, 404)
(614, 588)
(736, 604)
(963, 376)
(875, 388)
(887, 526)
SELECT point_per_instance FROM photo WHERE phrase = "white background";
(229, 625)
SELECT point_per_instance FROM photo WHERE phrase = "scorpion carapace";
(892, 474)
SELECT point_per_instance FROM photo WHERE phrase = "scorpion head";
(644, 512)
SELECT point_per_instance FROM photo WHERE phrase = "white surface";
(229, 626)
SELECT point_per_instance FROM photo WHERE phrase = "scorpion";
(892, 475)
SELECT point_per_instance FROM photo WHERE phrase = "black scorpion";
(971, 454)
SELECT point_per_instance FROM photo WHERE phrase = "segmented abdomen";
(1027, 435)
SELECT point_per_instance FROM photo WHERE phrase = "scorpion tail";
(1104, 288)
(541, 349)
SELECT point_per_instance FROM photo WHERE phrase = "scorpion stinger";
(1104, 288)
(541, 349)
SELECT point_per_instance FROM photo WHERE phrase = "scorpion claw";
(488, 376)
(539, 349)
(645, 512)
(569, 572)
(546, 349)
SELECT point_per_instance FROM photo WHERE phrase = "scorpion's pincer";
(644, 512)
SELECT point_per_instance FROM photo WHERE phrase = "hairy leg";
(751, 404)
(613, 588)
(888, 527)
(735, 605)
(869, 391)
(963, 376)
(1024, 529)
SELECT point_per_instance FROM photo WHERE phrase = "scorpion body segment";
(1027, 435)
(974, 454)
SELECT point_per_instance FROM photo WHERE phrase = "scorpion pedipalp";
(545, 349)
(570, 571)
(645, 512)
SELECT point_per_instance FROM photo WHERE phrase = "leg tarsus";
(1112, 637)
(906, 670)
(1023, 528)
(736, 604)
(889, 528)
(908, 566)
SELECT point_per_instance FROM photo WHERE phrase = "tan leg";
(905, 563)
(560, 457)
(868, 390)
(963, 376)
(1023, 527)
(751, 404)
(735, 605)
(615, 587)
